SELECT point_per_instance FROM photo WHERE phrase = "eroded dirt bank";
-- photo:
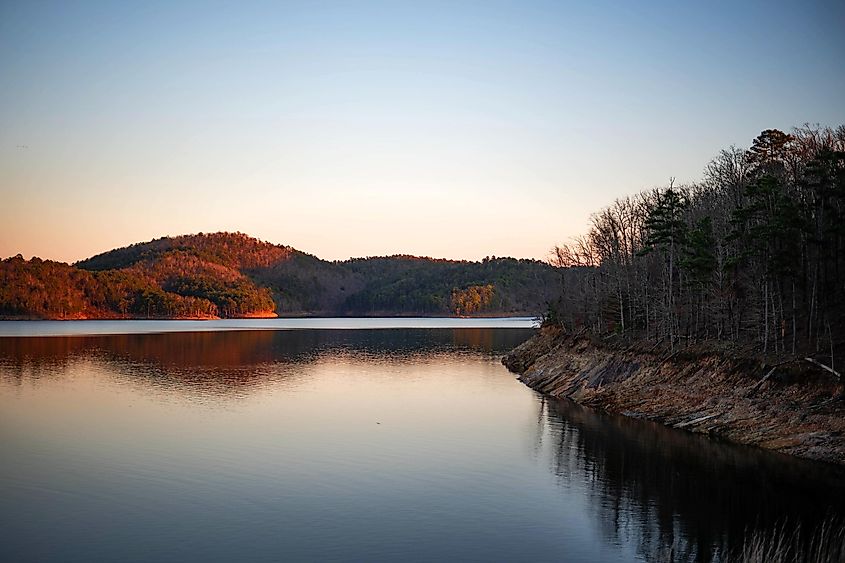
(798, 409)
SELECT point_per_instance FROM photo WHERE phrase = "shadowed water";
(411, 444)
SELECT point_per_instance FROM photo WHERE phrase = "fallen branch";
(824, 367)
(669, 357)
(658, 343)
(768, 375)
(825, 403)
(761, 382)
(696, 420)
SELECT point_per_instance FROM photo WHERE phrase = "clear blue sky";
(456, 129)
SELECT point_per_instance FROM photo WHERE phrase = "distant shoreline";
(233, 275)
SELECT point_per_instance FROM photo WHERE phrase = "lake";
(352, 440)
(84, 328)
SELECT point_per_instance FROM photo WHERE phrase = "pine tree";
(666, 231)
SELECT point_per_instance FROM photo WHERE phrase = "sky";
(451, 129)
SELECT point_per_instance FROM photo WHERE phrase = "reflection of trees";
(37, 357)
(490, 341)
(669, 489)
(212, 361)
(229, 360)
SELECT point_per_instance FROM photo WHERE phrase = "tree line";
(232, 275)
(46, 289)
(754, 253)
(410, 284)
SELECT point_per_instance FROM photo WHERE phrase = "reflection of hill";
(234, 358)
(667, 487)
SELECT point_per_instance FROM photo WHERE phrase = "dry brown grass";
(787, 544)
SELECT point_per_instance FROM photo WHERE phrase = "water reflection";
(233, 360)
(681, 496)
(355, 445)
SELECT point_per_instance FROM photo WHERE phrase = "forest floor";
(790, 406)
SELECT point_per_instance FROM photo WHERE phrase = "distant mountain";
(234, 275)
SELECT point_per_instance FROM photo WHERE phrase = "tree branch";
(824, 367)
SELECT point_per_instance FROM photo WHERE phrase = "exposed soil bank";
(798, 410)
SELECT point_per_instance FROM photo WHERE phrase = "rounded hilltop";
(235, 275)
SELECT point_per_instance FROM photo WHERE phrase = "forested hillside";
(435, 286)
(753, 254)
(234, 275)
(45, 289)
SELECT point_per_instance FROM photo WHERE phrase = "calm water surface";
(366, 445)
(75, 328)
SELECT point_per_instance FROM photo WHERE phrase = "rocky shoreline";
(791, 407)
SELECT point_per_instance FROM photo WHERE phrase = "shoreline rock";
(789, 407)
